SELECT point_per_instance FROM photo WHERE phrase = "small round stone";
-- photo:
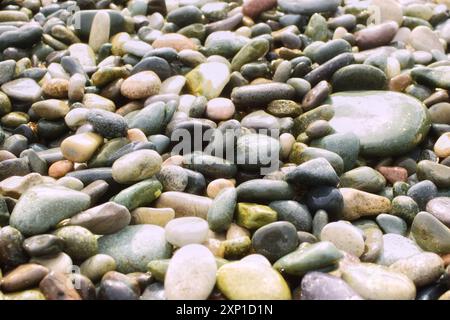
(141, 85)
(136, 166)
(220, 109)
(187, 230)
(344, 236)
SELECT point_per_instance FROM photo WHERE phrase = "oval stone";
(135, 246)
(386, 123)
(191, 274)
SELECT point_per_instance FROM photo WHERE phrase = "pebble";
(42, 207)
(359, 204)
(396, 247)
(185, 205)
(26, 276)
(430, 234)
(309, 258)
(159, 217)
(321, 286)
(423, 268)
(136, 166)
(141, 85)
(186, 230)
(133, 247)
(254, 216)
(369, 281)
(275, 240)
(43, 245)
(208, 80)
(251, 281)
(191, 273)
(97, 266)
(25, 89)
(439, 207)
(220, 109)
(107, 218)
(344, 236)
(81, 147)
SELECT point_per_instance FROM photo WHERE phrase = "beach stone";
(57, 286)
(370, 282)
(389, 10)
(344, 236)
(250, 280)
(364, 179)
(141, 85)
(253, 216)
(392, 224)
(56, 88)
(11, 251)
(325, 198)
(423, 268)
(191, 274)
(175, 41)
(159, 217)
(7, 69)
(440, 208)
(424, 39)
(264, 190)
(79, 242)
(396, 247)
(376, 36)
(442, 146)
(422, 192)
(293, 212)
(359, 204)
(15, 186)
(118, 286)
(275, 240)
(261, 94)
(397, 108)
(250, 52)
(322, 286)
(430, 234)
(33, 294)
(358, 77)
(24, 89)
(437, 173)
(100, 30)
(107, 218)
(5, 104)
(173, 178)
(107, 124)
(97, 266)
(42, 207)
(308, 7)
(24, 277)
(140, 194)
(136, 166)
(260, 120)
(256, 151)
(43, 245)
(254, 8)
(60, 262)
(432, 77)
(51, 109)
(135, 246)
(221, 212)
(315, 172)
(208, 79)
(309, 258)
(186, 230)
(185, 204)
(81, 147)
(220, 109)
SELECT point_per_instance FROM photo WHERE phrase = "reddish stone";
(393, 174)
(253, 8)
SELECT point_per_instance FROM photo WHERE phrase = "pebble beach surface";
(204, 149)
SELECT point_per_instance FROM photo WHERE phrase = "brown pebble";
(60, 168)
(215, 186)
(23, 277)
(136, 135)
(253, 8)
(316, 96)
(175, 41)
(446, 258)
(400, 83)
(176, 160)
(58, 286)
(393, 174)
(437, 97)
(56, 88)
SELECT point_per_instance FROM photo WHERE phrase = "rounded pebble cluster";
(349, 99)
